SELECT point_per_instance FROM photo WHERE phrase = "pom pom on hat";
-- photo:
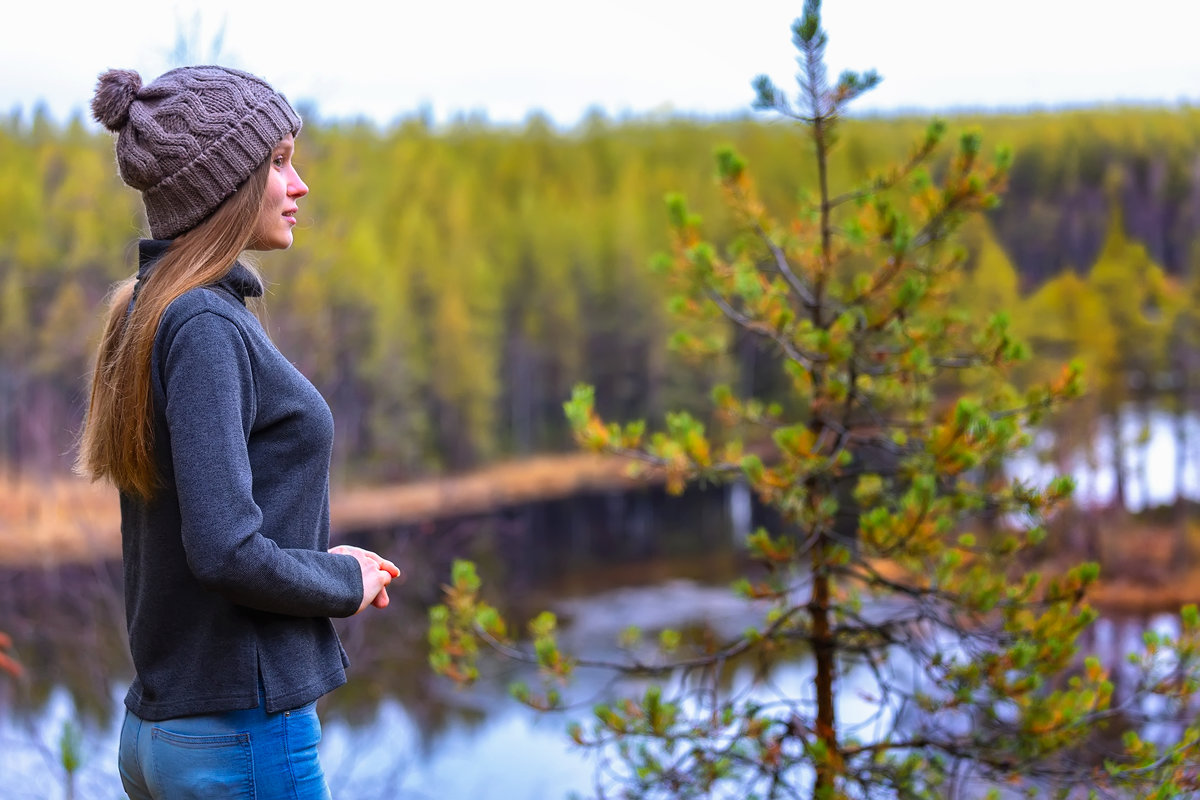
(115, 92)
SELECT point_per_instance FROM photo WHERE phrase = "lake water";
(1161, 457)
(602, 562)
(394, 731)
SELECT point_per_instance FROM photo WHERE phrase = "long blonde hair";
(117, 442)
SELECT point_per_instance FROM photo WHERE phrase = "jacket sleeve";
(210, 391)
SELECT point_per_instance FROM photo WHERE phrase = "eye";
(279, 161)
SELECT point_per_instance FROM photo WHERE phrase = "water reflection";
(602, 562)
(394, 730)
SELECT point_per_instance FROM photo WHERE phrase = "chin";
(278, 243)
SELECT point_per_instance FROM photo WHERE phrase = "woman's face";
(273, 230)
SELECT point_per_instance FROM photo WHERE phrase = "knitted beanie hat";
(190, 138)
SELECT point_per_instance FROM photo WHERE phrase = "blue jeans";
(234, 754)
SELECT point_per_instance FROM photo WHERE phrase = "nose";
(296, 187)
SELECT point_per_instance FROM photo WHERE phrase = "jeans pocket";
(202, 767)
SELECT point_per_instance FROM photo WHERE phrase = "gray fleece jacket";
(226, 571)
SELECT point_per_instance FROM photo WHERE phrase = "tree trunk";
(1145, 431)
(1118, 459)
(1180, 557)
(824, 652)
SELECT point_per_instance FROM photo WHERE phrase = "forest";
(466, 294)
(450, 284)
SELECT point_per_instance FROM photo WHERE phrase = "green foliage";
(70, 754)
(449, 286)
(903, 539)
(453, 643)
(1163, 766)
(70, 742)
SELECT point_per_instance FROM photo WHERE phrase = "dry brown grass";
(65, 520)
(1144, 568)
(69, 520)
(1141, 571)
(488, 489)
(1122, 595)
(57, 520)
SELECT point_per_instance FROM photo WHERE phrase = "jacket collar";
(238, 281)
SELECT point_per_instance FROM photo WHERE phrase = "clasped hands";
(377, 573)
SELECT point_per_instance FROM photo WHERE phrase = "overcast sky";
(384, 59)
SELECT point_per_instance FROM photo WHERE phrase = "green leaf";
(753, 467)
(464, 577)
(765, 94)
(730, 165)
(579, 408)
(677, 211)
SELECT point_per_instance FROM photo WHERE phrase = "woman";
(220, 449)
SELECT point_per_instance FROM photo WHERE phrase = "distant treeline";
(449, 285)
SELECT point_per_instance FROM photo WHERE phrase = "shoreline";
(62, 520)
(65, 520)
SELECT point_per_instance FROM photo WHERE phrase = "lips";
(290, 215)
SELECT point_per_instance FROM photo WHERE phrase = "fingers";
(383, 563)
(375, 586)
(374, 579)
(377, 573)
